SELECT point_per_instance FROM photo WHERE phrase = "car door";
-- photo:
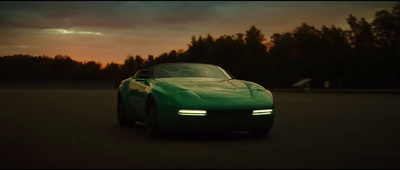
(138, 90)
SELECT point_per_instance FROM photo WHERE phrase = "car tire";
(259, 133)
(152, 120)
(123, 119)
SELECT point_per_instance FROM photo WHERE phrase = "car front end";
(181, 109)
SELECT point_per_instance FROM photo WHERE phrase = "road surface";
(77, 128)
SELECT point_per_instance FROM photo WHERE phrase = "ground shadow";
(140, 129)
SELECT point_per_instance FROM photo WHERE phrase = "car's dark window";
(189, 70)
(142, 74)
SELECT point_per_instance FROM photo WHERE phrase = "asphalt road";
(56, 128)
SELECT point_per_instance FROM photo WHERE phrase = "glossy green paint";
(198, 93)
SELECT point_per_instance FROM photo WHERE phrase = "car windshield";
(189, 70)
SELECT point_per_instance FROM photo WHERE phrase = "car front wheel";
(152, 121)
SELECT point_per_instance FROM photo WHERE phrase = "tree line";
(365, 56)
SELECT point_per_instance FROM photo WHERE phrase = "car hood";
(211, 88)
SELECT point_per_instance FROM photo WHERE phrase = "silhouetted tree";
(254, 39)
(386, 26)
(111, 71)
(128, 68)
(335, 49)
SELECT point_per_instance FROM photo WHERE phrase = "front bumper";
(170, 120)
(220, 122)
(232, 119)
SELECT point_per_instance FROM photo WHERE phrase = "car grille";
(229, 112)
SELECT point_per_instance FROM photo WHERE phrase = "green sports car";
(193, 96)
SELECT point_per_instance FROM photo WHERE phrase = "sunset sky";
(109, 31)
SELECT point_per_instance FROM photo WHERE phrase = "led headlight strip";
(262, 112)
(192, 112)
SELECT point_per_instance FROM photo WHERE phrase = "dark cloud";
(58, 14)
(186, 12)
(120, 14)
(145, 14)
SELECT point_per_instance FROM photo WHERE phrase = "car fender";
(124, 91)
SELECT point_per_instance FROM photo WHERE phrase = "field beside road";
(77, 128)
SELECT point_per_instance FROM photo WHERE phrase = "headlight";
(192, 112)
(262, 112)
